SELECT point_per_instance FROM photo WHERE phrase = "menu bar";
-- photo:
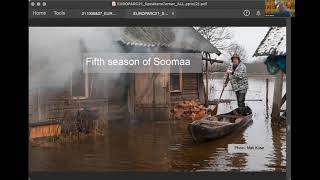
(145, 9)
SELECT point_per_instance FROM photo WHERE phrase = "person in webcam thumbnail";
(282, 11)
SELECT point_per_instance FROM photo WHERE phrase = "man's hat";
(235, 56)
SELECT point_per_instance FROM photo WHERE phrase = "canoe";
(217, 126)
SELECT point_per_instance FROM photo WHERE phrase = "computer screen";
(159, 89)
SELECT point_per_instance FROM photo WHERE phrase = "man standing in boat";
(237, 74)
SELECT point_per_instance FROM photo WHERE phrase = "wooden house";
(274, 46)
(138, 96)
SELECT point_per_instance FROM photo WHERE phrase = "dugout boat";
(213, 127)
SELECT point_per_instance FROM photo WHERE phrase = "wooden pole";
(283, 100)
(277, 96)
(207, 84)
(132, 96)
(212, 60)
(39, 104)
(267, 98)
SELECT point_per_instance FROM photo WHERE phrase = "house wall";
(152, 96)
(105, 95)
(114, 96)
(111, 98)
(190, 88)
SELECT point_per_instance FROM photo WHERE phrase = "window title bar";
(146, 9)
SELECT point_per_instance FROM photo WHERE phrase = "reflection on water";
(167, 146)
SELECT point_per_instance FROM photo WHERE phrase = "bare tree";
(238, 49)
(220, 37)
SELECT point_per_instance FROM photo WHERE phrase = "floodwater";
(167, 146)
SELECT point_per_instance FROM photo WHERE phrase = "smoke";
(184, 38)
(55, 52)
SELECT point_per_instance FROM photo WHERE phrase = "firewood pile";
(189, 110)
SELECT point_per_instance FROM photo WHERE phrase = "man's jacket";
(238, 79)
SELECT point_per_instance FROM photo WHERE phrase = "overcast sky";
(249, 37)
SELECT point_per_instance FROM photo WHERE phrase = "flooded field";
(167, 146)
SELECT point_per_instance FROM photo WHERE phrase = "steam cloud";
(55, 52)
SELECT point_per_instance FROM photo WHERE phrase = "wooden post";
(207, 85)
(39, 104)
(131, 96)
(283, 100)
(201, 89)
(277, 96)
(267, 97)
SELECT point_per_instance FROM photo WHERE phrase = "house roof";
(226, 57)
(273, 42)
(186, 38)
